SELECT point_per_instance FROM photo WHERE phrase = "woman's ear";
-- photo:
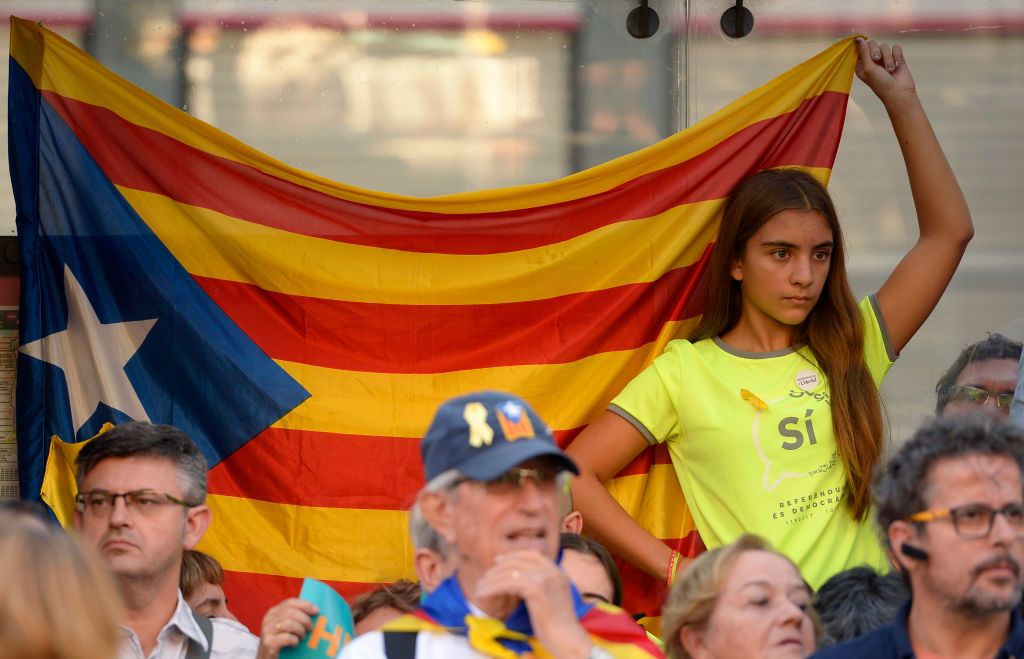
(736, 269)
(693, 641)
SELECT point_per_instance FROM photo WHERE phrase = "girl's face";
(761, 613)
(783, 267)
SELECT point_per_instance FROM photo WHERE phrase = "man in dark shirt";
(951, 504)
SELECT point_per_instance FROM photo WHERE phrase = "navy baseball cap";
(485, 434)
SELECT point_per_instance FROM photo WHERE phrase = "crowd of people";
(773, 421)
(503, 568)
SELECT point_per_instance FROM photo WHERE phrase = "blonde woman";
(56, 599)
(743, 600)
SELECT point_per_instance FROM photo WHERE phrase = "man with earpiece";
(950, 506)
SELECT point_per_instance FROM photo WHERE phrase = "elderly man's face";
(968, 570)
(489, 519)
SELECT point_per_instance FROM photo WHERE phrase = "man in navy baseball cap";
(495, 481)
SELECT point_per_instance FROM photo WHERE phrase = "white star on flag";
(93, 355)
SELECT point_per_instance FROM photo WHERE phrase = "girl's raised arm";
(913, 289)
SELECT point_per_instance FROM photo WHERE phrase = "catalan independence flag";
(303, 331)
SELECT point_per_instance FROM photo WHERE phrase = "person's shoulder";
(611, 613)
(231, 637)
(430, 644)
(684, 351)
(684, 346)
(1016, 640)
(879, 643)
(369, 645)
(611, 624)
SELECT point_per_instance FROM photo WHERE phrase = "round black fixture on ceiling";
(737, 22)
(642, 22)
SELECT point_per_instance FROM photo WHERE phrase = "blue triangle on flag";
(194, 368)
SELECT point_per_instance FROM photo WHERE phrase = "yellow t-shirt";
(750, 435)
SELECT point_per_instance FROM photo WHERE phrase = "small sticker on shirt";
(808, 380)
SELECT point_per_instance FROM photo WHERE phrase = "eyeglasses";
(100, 503)
(979, 396)
(542, 477)
(974, 520)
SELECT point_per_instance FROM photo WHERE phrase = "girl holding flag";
(771, 409)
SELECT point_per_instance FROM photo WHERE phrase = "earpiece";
(913, 551)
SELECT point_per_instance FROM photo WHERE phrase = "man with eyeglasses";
(982, 379)
(141, 502)
(951, 507)
(494, 477)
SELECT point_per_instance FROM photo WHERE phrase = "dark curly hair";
(900, 485)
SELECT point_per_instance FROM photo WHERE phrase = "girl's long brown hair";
(833, 330)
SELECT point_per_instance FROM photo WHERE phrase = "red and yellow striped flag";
(370, 308)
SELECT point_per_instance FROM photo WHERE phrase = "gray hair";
(443, 481)
(423, 534)
(137, 439)
(900, 486)
(857, 601)
(564, 501)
